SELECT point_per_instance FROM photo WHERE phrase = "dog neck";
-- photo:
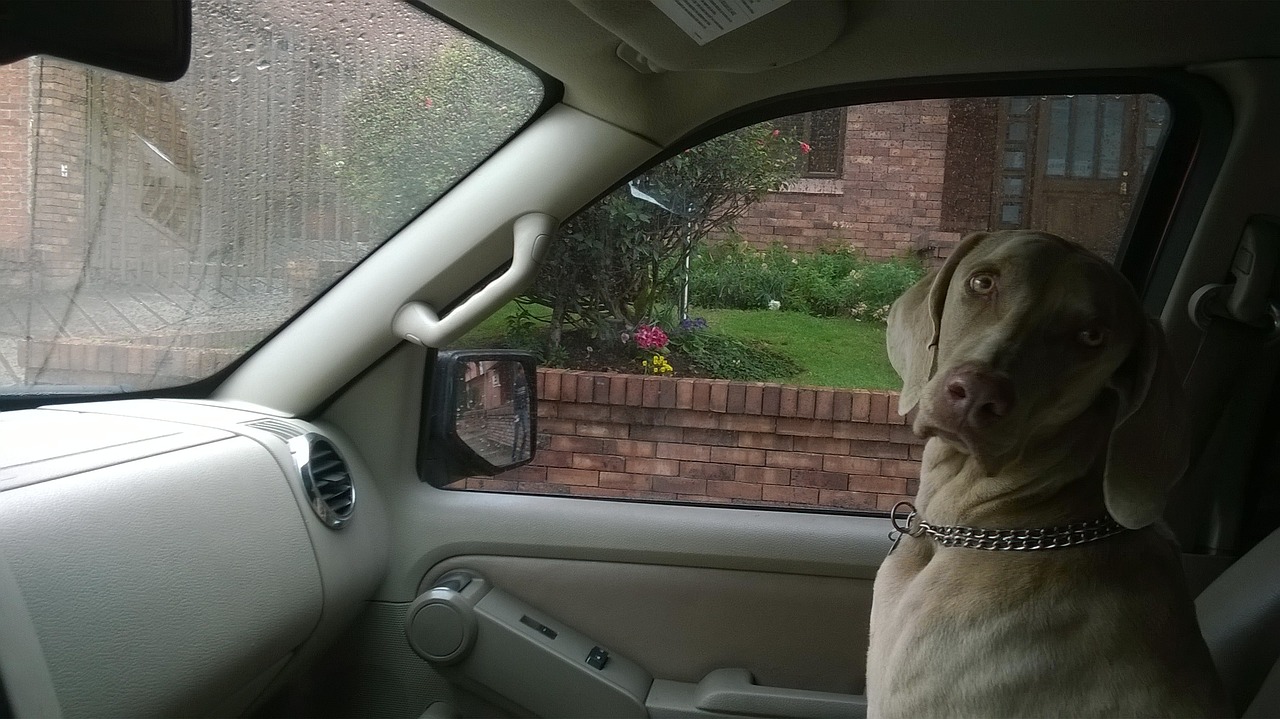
(1060, 485)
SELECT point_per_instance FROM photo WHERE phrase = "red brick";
(689, 418)
(735, 455)
(635, 391)
(879, 411)
(598, 462)
(549, 385)
(601, 389)
(703, 470)
(666, 392)
(824, 404)
(553, 458)
(737, 400)
(877, 483)
(738, 490)
(567, 443)
(847, 500)
(492, 485)
(794, 460)
(657, 434)
(554, 425)
(702, 397)
(618, 390)
(842, 406)
(913, 487)
(753, 401)
(719, 396)
(804, 427)
(748, 423)
(543, 488)
(620, 480)
(884, 450)
(761, 475)
(602, 429)
(629, 415)
(806, 402)
(770, 400)
(791, 495)
(527, 473)
(590, 412)
(645, 465)
(860, 410)
(917, 451)
(629, 448)
(684, 393)
(765, 441)
(822, 445)
(694, 452)
(822, 480)
(652, 388)
(680, 485)
(574, 476)
(586, 387)
(719, 437)
(788, 402)
(851, 465)
(861, 430)
(904, 435)
(900, 468)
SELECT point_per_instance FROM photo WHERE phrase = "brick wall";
(697, 440)
(888, 200)
(15, 169)
(59, 167)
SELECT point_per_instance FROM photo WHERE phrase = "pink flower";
(427, 103)
(650, 337)
(775, 133)
(804, 148)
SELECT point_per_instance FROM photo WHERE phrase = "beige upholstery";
(1240, 617)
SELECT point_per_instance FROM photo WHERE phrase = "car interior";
(273, 539)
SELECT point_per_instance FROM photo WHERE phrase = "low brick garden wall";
(698, 440)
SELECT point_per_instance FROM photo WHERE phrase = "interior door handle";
(734, 691)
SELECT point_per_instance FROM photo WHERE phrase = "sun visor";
(741, 36)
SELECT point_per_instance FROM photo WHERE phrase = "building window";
(1015, 145)
(823, 132)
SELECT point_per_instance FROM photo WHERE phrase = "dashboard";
(161, 557)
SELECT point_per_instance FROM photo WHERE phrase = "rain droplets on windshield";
(152, 233)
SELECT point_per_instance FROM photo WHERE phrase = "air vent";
(281, 428)
(325, 477)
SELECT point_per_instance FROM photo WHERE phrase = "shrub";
(725, 357)
(833, 281)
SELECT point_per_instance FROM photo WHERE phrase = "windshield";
(152, 233)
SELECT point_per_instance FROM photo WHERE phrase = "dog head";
(1022, 340)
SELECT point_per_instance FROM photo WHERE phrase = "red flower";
(775, 133)
(426, 102)
(804, 148)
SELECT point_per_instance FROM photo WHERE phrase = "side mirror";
(480, 414)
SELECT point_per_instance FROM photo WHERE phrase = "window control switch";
(597, 657)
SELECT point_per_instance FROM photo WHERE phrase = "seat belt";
(1239, 320)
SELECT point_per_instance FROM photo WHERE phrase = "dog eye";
(1092, 336)
(982, 283)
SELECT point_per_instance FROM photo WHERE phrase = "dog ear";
(914, 322)
(1148, 450)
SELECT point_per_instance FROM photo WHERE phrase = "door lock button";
(597, 657)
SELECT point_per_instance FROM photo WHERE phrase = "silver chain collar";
(1013, 540)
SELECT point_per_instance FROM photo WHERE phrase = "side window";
(714, 330)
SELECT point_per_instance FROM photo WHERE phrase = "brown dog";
(1031, 580)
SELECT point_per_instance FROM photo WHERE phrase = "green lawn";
(835, 351)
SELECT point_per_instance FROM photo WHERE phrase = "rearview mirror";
(147, 38)
(481, 417)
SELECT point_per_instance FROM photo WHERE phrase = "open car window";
(152, 233)
(714, 330)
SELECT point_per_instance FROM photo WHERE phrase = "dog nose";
(979, 398)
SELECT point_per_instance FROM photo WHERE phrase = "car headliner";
(882, 40)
